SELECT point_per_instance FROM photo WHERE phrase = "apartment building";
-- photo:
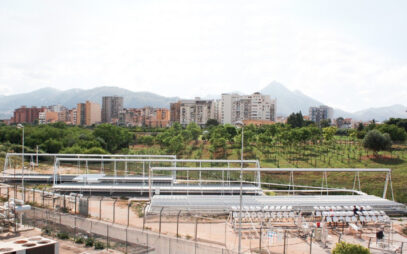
(111, 107)
(318, 114)
(196, 111)
(53, 114)
(256, 106)
(27, 115)
(88, 113)
(147, 116)
(47, 117)
(175, 109)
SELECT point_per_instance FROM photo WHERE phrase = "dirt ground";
(65, 246)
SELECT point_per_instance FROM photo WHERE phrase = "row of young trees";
(107, 138)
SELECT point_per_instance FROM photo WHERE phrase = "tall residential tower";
(111, 107)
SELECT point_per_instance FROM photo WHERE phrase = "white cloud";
(189, 49)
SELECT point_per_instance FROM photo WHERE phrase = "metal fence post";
(128, 214)
(75, 204)
(34, 217)
(74, 229)
(144, 221)
(100, 208)
(43, 198)
(114, 210)
(178, 223)
(107, 236)
(159, 226)
(126, 240)
(53, 200)
(261, 227)
(196, 229)
(310, 243)
(33, 195)
(285, 241)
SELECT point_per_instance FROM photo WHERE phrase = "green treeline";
(107, 138)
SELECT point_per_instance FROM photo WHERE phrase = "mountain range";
(69, 98)
(287, 101)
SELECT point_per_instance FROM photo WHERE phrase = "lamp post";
(241, 124)
(20, 126)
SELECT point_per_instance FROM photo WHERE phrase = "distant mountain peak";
(294, 101)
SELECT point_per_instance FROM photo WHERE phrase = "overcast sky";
(347, 54)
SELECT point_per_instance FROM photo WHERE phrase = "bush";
(377, 141)
(62, 235)
(79, 240)
(89, 242)
(349, 248)
(99, 245)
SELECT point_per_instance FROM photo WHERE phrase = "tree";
(376, 141)
(349, 248)
(329, 133)
(400, 122)
(195, 131)
(115, 137)
(212, 122)
(52, 146)
(176, 144)
(231, 131)
(325, 123)
(147, 140)
(396, 133)
(218, 147)
(296, 120)
(361, 127)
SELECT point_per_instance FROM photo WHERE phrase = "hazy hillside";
(293, 101)
(69, 98)
(383, 113)
(287, 101)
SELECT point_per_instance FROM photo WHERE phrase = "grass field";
(341, 153)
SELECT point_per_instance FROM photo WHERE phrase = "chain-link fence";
(122, 224)
(114, 236)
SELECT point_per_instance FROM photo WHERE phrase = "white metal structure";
(324, 188)
(172, 168)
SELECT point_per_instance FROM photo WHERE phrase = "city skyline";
(337, 52)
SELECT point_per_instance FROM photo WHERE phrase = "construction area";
(161, 204)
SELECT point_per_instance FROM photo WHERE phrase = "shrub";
(89, 242)
(79, 240)
(99, 245)
(349, 248)
(62, 235)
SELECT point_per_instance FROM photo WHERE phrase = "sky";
(347, 54)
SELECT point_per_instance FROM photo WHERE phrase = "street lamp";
(240, 124)
(20, 126)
